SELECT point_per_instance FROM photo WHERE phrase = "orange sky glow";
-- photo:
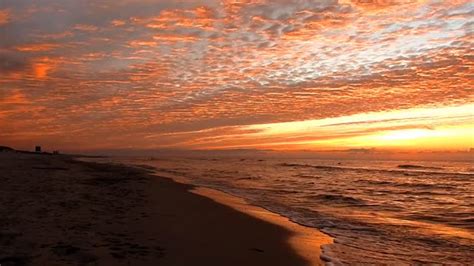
(251, 74)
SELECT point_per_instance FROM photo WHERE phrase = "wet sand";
(305, 241)
(60, 211)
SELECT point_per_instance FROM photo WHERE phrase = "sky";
(248, 74)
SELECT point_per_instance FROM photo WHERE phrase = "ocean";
(378, 212)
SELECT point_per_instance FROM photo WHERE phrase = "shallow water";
(382, 212)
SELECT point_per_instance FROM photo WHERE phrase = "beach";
(57, 210)
(378, 212)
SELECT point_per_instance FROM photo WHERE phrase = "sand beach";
(57, 210)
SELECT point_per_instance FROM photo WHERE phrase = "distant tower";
(38, 149)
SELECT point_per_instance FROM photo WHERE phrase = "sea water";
(379, 212)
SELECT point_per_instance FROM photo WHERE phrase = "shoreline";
(60, 210)
(308, 242)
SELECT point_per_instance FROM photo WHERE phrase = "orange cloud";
(118, 22)
(37, 47)
(4, 16)
(14, 97)
(43, 66)
(143, 43)
(85, 27)
(174, 38)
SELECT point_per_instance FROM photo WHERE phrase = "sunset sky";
(253, 74)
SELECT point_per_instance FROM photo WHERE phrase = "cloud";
(4, 17)
(36, 47)
(12, 62)
(148, 67)
(85, 27)
(380, 4)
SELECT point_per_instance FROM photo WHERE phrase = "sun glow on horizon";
(410, 134)
(438, 139)
(437, 128)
